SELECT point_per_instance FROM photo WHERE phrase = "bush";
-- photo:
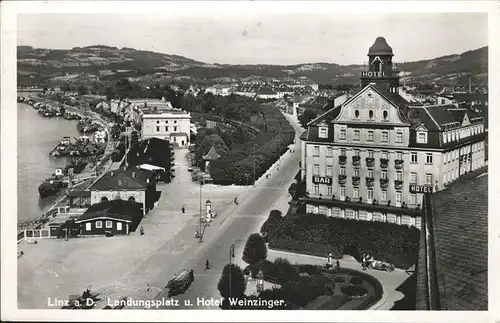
(354, 291)
(356, 280)
(231, 282)
(318, 235)
(255, 249)
(283, 270)
(304, 289)
(310, 269)
(339, 279)
(272, 222)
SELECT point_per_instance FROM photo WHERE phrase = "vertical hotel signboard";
(322, 180)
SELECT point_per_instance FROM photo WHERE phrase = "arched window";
(132, 199)
(356, 113)
(370, 114)
(386, 115)
(104, 199)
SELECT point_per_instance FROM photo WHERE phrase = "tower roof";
(212, 154)
(380, 47)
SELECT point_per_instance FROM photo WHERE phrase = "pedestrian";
(183, 210)
(148, 288)
(142, 231)
(207, 265)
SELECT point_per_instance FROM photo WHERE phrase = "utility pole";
(253, 165)
(201, 217)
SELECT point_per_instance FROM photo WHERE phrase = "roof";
(130, 179)
(380, 47)
(469, 97)
(447, 117)
(78, 193)
(178, 134)
(115, 209)
(212, 154)
(458, 217)
(153, 151)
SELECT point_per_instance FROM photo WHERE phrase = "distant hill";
(108, 63)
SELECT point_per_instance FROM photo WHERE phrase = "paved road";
(235, 227)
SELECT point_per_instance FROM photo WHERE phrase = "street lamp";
(260, 281)
(201, 219)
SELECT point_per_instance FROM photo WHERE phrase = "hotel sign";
(322, 180)
(420, 189)
(373, 74)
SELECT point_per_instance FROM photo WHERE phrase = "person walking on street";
(207, 265)
(183, 210)
(142, 231)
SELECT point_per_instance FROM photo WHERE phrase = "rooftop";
(380, 47)
(130, 179)
(115, 209)
(458, 221)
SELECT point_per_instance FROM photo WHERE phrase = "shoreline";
(42, 220)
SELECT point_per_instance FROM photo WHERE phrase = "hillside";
(105, 63)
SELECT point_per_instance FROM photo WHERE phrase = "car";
(190, 169)
(380, 265)
(180, 282)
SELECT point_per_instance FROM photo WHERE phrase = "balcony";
(370, 161)
(355, 180)
(369, 181)
(384, 182)
(384, 162)
(355, 160)
(398, 163)
(342, 159)
(398, 184)
(342, 179)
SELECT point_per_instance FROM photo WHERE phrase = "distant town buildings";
(372, 157)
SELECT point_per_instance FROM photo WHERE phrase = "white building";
(219, 89)
(169, 124)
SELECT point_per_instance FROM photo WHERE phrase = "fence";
(34, 234)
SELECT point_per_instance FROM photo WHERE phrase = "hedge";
(318, 235)
(379, 290)
(354, 291)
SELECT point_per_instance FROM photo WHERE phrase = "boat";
(77, 166)
(62, 148)
(52, 185)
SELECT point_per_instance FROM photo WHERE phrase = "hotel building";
(375, 155)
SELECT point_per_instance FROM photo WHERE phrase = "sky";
(277, 38)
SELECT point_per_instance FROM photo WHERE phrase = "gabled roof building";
(375, 155)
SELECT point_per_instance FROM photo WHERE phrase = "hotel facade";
(375, 155)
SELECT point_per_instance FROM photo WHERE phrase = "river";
(36, 136)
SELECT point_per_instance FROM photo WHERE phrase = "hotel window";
(414, 158)
(370, 173)
(448, 136)
(384, 174)
(356, 135)
(329, 152)
(109, 224)
(399, 137)
(342, 170)
(428, 179)
(413, 178)
(413, 199)
(355, 193)
(316, 209)
(316, 189)
(444, 138)
(370, 135)
(385, 115)
(454, 136)
(356, 214)
(370, 114)
(329, 171)
(356, 152)
(428, 158)
(342, 152)
(88, 226)
(166, 129)
(384, 217)
(342, 191)
(175, 128)
(98, 224)
(342, 213)
(158, 128)
(369, 216)
(323, 132)
(399, 155)
(329, 212)
(329, 190)
(399, 176)
(399, 197)
(175, 121)
(316, 169)
(356, 114)
(342, 134)
(383, 196)
(316, 151)
(370, 153)
(422, 137)
(385, 136)
(356, 172)
(413, 221)
(398, 219)
(369, 195)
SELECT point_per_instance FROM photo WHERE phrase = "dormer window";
(323, 132)
(422, 137)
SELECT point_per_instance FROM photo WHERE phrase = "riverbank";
(102, 166)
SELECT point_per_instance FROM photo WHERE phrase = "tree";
(306, 117)
(255, 249)
(65, 87)
(232, 282)
(82, 90)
